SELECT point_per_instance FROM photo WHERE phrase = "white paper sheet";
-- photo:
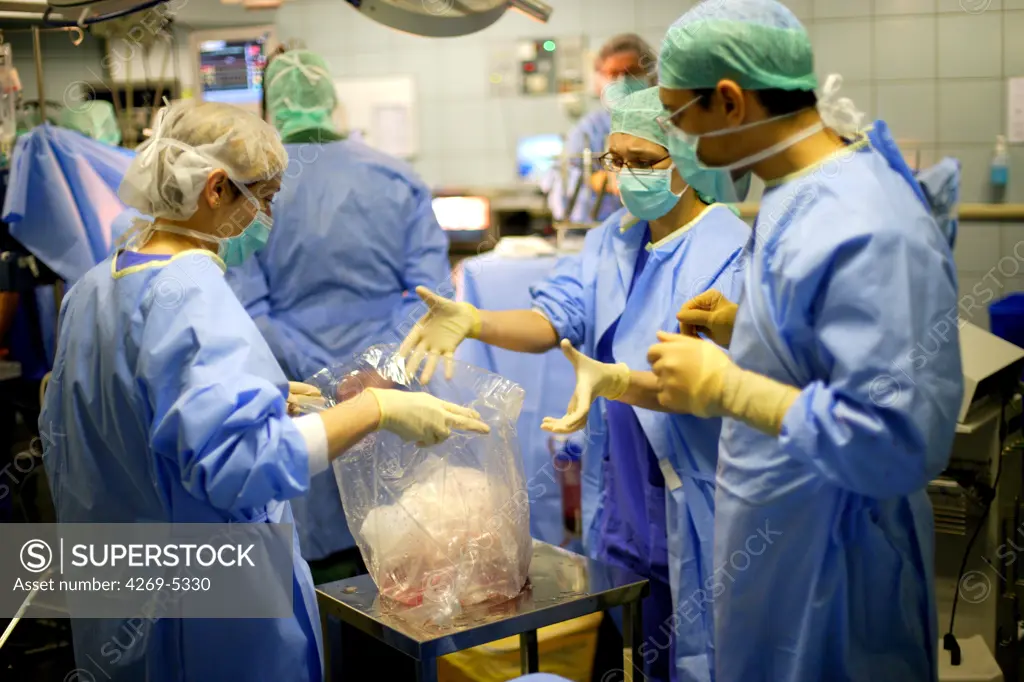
(390, 126)
(383, 110)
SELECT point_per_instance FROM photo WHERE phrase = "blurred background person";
(95, 118)
(626, 58)
(356, 234)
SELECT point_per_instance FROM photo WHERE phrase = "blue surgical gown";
(166, 406)
(354, 235)
(583, 299)
(591, 131)
(632, 528)
(62, 198)
(493, 282)
(823, 535)
(61, 203)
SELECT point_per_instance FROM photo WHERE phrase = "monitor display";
(232, 70)
(538, 154)
(462, 214)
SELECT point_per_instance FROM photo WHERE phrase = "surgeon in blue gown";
(357, 233)
(648, 477)
(844, 382)
(166, 404)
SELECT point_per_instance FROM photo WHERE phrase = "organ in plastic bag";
(440, 527)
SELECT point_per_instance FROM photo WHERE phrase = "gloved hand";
(439, 333)
(711, 313)
(691, 374)
(593, 380)
(301, 395)
(697, 377)
(422, 418)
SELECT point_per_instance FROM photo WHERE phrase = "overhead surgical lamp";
(446, 18)
(87, 12)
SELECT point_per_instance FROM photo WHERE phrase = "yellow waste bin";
(566, 649)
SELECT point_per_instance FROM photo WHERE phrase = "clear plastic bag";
(441, 527)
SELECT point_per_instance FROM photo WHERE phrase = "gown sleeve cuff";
(561, 330)
(799, 433)
(540, 311)
(315, 435)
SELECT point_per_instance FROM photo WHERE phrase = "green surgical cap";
(300, 93)
(94, 118)
(637, 115)
(757, 43)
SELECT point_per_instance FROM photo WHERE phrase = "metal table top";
(562, 586)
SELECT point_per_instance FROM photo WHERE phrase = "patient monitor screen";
(232, 70)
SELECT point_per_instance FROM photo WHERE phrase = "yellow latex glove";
(438, 333)
(711, 313)
(691, 374)
(697, 377)
(302, 395)
(593, 380)
(422, 418)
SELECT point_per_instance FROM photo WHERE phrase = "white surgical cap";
(189, 142)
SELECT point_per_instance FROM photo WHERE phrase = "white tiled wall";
(992, 254)
(466, 135)
(934, 69)
(892, 59)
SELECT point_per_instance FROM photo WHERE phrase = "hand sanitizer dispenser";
(1000, 169)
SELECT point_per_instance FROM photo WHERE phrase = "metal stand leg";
(334, 657)
(426, 670)
(529, 656)
(325, 633)
(632, 635)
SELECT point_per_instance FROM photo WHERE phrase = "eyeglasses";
(263, 202)
(665, 121)
(614, 164)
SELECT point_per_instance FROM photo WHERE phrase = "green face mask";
(633, 84)
(233, 250)
(236, 250)
(616, 91)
